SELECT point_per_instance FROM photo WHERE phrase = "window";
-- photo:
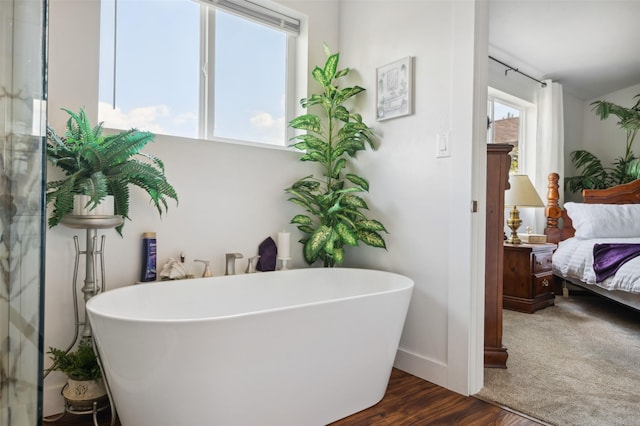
(186, 68)
(508, 117)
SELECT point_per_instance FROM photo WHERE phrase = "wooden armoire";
(498, 163)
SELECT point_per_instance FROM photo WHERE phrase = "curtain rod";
(510, 68)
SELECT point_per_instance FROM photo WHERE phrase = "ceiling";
(591, 47)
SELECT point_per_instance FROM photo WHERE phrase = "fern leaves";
(99, 165)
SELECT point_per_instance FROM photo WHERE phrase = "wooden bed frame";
(559, 226)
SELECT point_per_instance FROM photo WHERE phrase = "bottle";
(148, 271)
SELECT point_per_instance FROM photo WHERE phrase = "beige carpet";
(576, 363)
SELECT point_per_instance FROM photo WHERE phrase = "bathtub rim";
(408, 285)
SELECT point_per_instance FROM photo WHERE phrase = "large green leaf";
(357, 180)
(350, 92)
(330, 67)
(305, 184)
(314, 99)
(329, 245)
(315, 243)
(372, 239)
(346, 219)
(301, 202)
(306, 229)
(311, 142)
(355, 202)
(634, 168)
(347, 234)
(337, 167)
(371, 225)
(301, 219)
(302, 146)
(310, 122)
(342, 114)
(351, 145)
(342, 73)
(338, 256)
(319, 76)
(313, 156)
(335, 208)
(353, 214)
(326, 201)
(593, 175)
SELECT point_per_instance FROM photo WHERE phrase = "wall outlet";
(443, 145)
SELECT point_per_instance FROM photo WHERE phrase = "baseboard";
(420, 366)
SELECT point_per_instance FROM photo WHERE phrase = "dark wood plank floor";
(409, 401)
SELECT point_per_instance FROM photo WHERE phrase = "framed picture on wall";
(394, 89)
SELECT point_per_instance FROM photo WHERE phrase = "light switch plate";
(443, 145)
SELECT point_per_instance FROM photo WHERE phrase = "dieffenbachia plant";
(331, 138)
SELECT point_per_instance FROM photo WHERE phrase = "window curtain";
(549, 143)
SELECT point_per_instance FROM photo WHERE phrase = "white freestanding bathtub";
(300, 347)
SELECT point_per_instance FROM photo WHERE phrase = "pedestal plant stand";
(91, 224)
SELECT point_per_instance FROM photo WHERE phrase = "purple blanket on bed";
(608, 258)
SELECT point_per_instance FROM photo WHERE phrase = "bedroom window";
(506, 127)
(200, 69)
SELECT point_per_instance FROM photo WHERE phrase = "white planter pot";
(80, 208)
(81, 394)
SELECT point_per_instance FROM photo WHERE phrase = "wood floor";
(409, 401)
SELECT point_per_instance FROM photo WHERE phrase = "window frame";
(526, 129)
(294, 46)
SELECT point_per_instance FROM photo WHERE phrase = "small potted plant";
(84, 378)
(98, 166)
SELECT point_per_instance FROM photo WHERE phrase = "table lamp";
(521, 194)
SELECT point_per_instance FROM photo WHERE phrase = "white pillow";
(604, 220)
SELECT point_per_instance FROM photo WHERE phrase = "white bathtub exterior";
(301, 347)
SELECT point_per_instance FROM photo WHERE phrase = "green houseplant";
(98, 165)
(331, 138)
(80, 364)
(593, 175)
(84, 378)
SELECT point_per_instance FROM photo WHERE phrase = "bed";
(604, 228)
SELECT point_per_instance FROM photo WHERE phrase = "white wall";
(424, 200)
(236, 198)
(573, 136)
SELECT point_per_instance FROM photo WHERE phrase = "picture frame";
(394, 89)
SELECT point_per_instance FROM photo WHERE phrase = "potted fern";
(98, 166)
(334, 211)
(84, 378)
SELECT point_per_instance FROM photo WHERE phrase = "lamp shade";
(522, 193)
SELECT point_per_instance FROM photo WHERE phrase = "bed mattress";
(573, 260)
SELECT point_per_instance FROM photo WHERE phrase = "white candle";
(283, 245)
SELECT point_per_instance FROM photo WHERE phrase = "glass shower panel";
(22, 118)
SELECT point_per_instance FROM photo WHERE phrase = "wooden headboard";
(628, 193)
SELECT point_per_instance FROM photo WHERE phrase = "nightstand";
(527, 277)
